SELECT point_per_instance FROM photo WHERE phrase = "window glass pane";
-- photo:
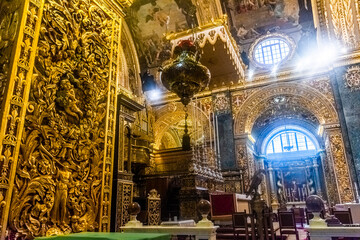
(277, 145)
(310, 144)
(269, 148)
(289, 141)
(271, 51)
(301, 141)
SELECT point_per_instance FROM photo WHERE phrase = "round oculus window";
(272, 50)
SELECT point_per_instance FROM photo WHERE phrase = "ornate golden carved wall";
(58, 138)
(15, 100)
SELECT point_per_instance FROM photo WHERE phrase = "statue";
(258, 205)
(255, 182)
(58, 212)
(280, 191)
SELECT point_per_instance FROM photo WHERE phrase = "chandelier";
(185, 76)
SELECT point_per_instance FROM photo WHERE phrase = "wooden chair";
(343, 216)
(299, 214)
(287, 224)
(242, 227)
(269, 230)
(309, 215)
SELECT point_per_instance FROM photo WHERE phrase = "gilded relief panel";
(340, 165)
(244, 162)
(63, 179)
(342, 21)
(10, 14)
(330, 178)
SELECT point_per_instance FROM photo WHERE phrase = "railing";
(297, 194)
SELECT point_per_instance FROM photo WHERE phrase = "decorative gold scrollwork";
(63, 177)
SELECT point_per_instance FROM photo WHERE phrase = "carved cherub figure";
(66, 98)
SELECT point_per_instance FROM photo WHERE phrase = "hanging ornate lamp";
(185, 76)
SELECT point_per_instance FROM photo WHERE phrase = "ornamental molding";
(352, 78)
(298, 94)
(211, 33)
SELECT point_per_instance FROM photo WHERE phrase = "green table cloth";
(109, 236)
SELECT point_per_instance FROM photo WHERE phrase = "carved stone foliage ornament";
(352, 78)
(64, 172)
(221, 103)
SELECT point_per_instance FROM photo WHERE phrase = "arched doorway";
(290, 150)
(302, 105)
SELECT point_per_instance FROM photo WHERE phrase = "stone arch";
(129, 67)
(297, 94)
(172, 113)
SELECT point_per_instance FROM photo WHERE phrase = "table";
(326, 233)
(109, 236)
(198, 232)
(355, 210)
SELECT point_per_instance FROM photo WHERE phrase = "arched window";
(289, 141)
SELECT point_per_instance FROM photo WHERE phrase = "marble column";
(317, 177)
(273, 197)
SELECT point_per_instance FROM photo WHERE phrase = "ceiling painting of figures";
(253, 18)
(150, 20)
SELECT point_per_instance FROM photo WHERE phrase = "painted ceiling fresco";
(253, 18)
(150, 20)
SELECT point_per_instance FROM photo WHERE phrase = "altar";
(355, 210)
(109, 236)
(327, 233)
(200, 233)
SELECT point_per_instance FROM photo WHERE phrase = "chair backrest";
(222, 204)
(269, 226)
(240, 219)
(300, 212)
(287, 220)
(343, 216)
(309, 215)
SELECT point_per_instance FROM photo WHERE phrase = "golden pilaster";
(16, 100)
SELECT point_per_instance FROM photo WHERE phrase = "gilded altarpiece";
(60, 129)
